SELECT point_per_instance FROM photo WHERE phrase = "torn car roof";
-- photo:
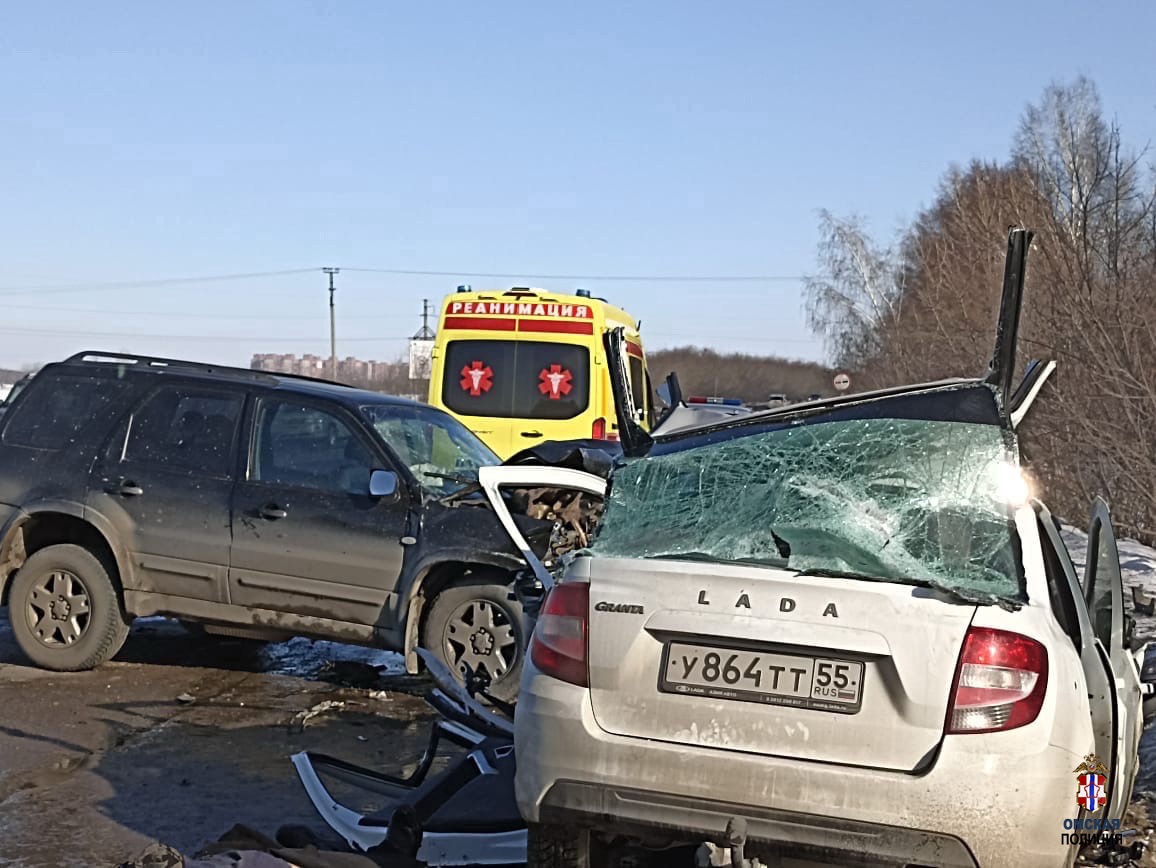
(956, 400)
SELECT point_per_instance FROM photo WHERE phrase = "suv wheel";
(475, 624)
(563, 847)
(65, 611)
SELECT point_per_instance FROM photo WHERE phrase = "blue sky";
(153, 140)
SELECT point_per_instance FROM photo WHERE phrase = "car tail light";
(559, 645)
(598, 431)
(999, 683)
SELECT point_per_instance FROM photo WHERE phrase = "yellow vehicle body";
(522, 366)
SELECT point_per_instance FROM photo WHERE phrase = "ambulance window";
(553, 381)
(479, 378)
(637, 382)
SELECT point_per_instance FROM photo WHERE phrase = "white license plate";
(796, 680)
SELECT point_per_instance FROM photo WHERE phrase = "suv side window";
(56, 406)
(307, 447)
(186, 428)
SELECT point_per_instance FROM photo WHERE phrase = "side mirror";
(382, 483)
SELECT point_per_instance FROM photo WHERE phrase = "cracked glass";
(915, 501)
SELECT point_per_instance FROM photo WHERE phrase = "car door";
(1067, 600)
(1104, 596)
(308, 538)
(165, 480)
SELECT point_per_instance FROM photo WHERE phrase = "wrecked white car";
(844, 632)
(841, 632)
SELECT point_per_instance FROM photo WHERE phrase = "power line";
(34, 332)
(768, 338)
(144, 284)
(37, 332)
(668, 278)
(182, 315)
(42, 289)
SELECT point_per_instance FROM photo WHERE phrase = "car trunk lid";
(837, 670)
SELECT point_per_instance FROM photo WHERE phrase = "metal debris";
(574, 514)
(301, 719)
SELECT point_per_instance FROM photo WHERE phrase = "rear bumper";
(987, 801)
(645, 813)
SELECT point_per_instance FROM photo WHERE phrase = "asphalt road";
(95, 766)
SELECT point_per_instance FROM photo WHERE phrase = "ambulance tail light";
(600, 431)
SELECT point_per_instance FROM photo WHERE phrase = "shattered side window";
(893, 499)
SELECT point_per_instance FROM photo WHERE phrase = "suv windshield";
(443, 454)
(893, 499)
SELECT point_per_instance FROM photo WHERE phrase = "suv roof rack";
(97, 357)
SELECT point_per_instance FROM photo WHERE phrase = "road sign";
(842, 382)
(420, 358)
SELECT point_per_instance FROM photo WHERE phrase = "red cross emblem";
(554, 382)
(477, 379)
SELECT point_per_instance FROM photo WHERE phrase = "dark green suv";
(256, 504)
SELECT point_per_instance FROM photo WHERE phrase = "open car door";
(1112, 631)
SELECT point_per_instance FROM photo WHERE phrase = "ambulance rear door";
(552, 390)
(478, 387)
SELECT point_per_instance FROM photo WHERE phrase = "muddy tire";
(563, 847)
(65, 611)
(475, 624)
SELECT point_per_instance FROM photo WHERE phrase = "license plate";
(795, 680)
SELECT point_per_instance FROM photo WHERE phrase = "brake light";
(598, 431)
(560, 642)
(999, 682)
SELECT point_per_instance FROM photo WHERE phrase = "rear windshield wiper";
(715, 559)
(848, 574)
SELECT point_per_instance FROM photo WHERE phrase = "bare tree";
(857, 294)
(1090, 304)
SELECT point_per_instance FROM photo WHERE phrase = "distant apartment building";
(348, 368)
(390, 377)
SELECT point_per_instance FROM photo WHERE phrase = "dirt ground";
(184, 736)
(95, 766)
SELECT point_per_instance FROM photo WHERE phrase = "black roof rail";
(97, 356)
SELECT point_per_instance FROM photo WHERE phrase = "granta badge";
(620, 608)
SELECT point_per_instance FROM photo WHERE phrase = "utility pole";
(420, 346)
(332, 325)
(425, 333)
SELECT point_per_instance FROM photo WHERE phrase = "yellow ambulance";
(524, 365)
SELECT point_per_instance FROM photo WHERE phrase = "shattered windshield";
(927, 502)
(443, 454)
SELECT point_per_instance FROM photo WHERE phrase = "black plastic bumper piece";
(685, 819)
